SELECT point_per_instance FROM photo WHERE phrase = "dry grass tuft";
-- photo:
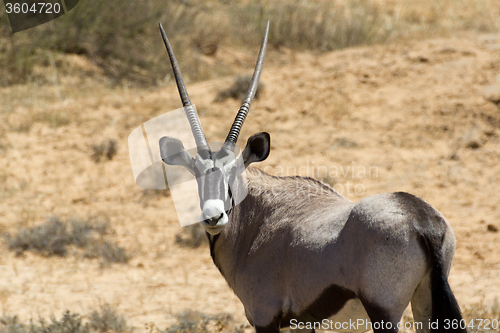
(239, 89)
(106, 149)
(107, 320)
(69, 323)
(198, 322)
(53, 119)
(317, 26)
(103, 321)
(56, 237)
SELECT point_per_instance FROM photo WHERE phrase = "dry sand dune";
(416, 116)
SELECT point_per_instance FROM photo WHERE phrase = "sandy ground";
(417, 116)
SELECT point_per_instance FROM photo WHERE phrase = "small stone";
(473, 145)
(492, 228)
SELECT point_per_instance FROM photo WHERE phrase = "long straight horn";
(232, 137)
(194, 121)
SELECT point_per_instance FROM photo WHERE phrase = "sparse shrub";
(107, 321)
(198, 322)
(69, 323)
(207, 36)
(191, 236)
(48, 239)
(122, 38)
(11, 325)
(112, 149)
(24, 127)
(105, 149)
(239, 89)
(55, 236)
(52, 119)
(97, 152)
(108, 33)
(106, 251)
(103, 321)
(315, 25)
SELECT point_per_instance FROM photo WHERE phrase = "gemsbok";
(299, 255)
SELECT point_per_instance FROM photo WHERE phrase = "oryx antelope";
(296, 252)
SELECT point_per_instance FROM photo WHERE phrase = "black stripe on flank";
(330, 302)
(271, 328)
(386, 321)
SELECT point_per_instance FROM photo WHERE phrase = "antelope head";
(215, 171)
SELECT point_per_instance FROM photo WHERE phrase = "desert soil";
(415, 116)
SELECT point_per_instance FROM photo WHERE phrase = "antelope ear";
(257, 149)
(172, 152)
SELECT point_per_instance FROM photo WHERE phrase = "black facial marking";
(230, 195)
(211, 240)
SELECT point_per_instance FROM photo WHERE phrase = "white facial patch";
(213, 208)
